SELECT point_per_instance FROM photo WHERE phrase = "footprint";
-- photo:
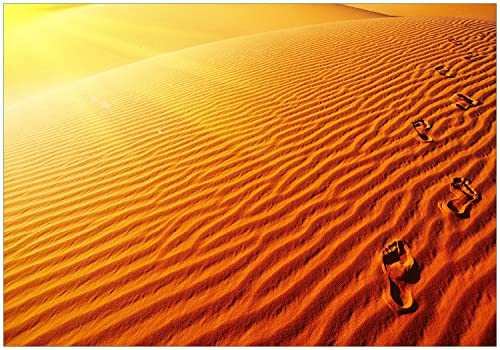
(473, 56)
(466, 197)
(401, 270)
(464, 102)
(455, 41)
(444, 71)
(421, 127)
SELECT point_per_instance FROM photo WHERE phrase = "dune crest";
(239, 193)
(113, 35)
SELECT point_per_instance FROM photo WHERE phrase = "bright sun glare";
(15, 14)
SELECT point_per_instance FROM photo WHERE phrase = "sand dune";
(486, 12)
(73, 43)
(242, 192)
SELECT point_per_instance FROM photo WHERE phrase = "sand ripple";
(240, 192)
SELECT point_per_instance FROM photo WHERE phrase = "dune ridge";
(239, 193)
(112, 35)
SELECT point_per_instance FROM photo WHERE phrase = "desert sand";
(49, 45)
(484, 11)
(248, 191)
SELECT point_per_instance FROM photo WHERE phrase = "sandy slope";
(486, 12)
(63, 45)
(242, 192)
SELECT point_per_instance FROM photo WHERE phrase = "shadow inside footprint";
(421, 127)
(444, 71)
(402, 270)
(455, 41)
(413, 275)
(396, 296)
(467, 197)
(473, 56)
(465, 102)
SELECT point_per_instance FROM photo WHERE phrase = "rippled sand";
(242, 192)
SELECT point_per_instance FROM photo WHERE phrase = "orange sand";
(242, 192)
(486, 12)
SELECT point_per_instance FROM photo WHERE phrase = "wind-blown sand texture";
(242, 192)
